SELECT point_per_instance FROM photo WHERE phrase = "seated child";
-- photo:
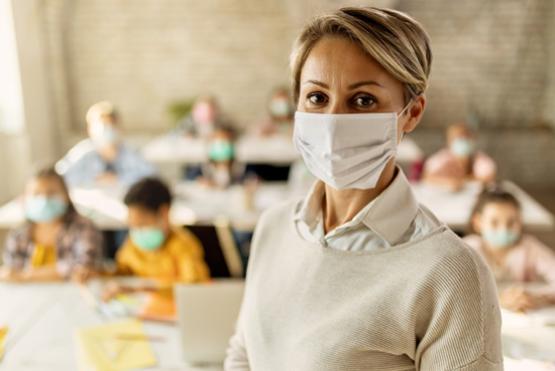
(514, 257)
(280, 114)
(155, 249)
(221, 171)
(55, 242)
(206, 117)
(460, 161)
(103, 158)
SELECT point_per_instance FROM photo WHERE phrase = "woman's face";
(339, 77)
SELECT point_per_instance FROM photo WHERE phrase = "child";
(514, 257)
(221, 171)
(280, 114)
(103, 158)
(55, 242)
(206, 116)
(154, 249)
(452, 166)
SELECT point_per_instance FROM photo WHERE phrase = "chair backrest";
(220, 251)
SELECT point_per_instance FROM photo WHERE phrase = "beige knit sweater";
(425, 305)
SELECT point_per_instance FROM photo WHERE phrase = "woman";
(358, 276)
(55, 242)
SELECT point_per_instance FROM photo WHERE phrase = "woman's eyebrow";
(362, 83)
(351, 87)
(316, 82)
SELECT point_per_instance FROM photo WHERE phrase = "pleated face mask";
(346, 151)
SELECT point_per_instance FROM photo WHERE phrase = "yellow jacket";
(179, 259)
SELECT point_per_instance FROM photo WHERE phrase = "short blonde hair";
(395, 40)
(102, 109)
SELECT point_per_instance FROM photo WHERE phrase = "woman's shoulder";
(282, 211)
(448, 254)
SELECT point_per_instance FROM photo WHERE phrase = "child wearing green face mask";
(55, 242)
(221, 171)
(155, 249)
(514, 257)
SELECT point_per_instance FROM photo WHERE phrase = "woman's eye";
(317, 98)
(364, 101)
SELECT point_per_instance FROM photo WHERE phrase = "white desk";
(193, 204)
(529, 340)
(276, 149)
(42, 319)
(454, 208)
(197, 204)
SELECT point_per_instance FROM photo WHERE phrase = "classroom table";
(274, 150)
(193, 204)
(42, 319)
(197, 204)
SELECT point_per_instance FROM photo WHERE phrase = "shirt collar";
(389, 215)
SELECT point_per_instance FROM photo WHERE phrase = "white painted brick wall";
(490, 63)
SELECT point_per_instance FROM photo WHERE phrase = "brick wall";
(492, 63)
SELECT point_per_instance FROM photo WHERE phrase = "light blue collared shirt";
(82, 165)
(392, 218)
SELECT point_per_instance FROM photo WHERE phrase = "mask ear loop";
(411, 100)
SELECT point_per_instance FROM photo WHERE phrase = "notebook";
(115, 346)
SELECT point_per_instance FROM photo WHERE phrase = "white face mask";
(346, 150)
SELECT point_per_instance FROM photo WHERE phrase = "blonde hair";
(102, 109)
(395, 40)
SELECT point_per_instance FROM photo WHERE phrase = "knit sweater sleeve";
(462, 315)
(237, 356)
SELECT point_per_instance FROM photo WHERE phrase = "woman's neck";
(340, 206)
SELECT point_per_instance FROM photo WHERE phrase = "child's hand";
(517, 299)
(111, 290)
(9, 275)
(81, 274)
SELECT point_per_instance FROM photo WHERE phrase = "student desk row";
(43, 318)
(275, 150)
(196, 204)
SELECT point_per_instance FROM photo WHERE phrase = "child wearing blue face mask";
(104, 158)
(514, 257)
(280, 114)
(154, 249)
(460, 161)
(55, 242)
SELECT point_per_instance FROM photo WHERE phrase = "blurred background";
(493, 68)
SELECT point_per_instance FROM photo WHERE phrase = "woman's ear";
(414, 113)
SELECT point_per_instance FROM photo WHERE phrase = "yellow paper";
(102, 350)
(3, 333)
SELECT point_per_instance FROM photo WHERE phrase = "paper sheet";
(3, 333)
(101, 349)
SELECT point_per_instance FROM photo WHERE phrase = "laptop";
(206, 317)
